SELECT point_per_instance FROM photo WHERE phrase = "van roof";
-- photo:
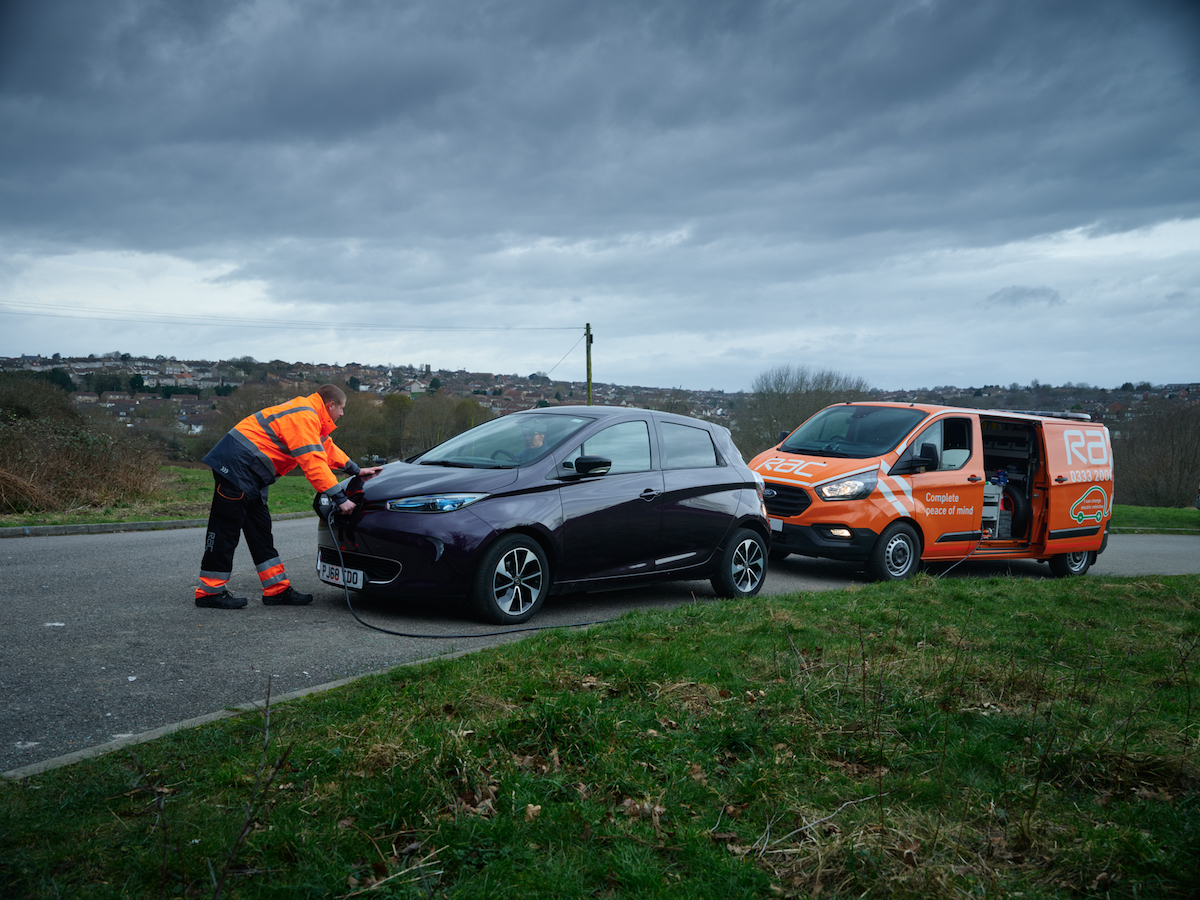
(932, 408)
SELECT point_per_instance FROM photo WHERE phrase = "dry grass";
(52, 458)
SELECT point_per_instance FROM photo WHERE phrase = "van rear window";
(856, 432)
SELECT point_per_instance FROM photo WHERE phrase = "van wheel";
(743, 566)
(1068, 565)
(896, 555)
(511, 581)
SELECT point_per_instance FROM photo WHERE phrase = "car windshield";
(506, 442)
(856, 432)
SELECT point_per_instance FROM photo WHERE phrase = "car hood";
(401, 479)
(779, 465)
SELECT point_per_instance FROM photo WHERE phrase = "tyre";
(1068, 565)
(1016, 503)
(743, 565)
(896, 555)
(511, 581)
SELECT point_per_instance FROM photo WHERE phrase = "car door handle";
(1061, 478)
(974, 478)
(649, 494)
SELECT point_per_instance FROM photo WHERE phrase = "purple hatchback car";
(545, 501)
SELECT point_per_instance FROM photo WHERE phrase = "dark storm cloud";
(662, 161)
(176, 125)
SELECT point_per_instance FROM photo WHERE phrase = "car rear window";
(685, 447)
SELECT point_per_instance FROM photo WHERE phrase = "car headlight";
(433, 502)
(852, 487)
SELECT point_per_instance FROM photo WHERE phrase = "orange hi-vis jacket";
(273, 441)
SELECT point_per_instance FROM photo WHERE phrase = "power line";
(18, 308)
(568, 353)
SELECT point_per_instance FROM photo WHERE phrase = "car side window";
(626, 444)
(951, 438)
(685, 447)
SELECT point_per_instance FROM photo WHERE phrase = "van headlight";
(852, 487)
(433, 502)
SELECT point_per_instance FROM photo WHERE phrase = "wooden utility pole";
(588, 334)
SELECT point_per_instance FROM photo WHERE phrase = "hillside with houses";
(188, 393)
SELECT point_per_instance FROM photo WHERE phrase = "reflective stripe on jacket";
(273, 441)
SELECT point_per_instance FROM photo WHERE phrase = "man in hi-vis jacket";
(259, 449)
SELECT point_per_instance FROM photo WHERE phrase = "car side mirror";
(592, 465)
(783, 435)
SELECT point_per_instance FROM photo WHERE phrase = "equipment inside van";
(892, 484)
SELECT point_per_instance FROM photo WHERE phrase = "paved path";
(100, 640)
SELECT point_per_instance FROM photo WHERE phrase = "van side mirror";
(926, 461)
(929, 453)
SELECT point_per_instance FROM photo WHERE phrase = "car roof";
(602, 412)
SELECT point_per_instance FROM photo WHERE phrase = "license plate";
(352, 578)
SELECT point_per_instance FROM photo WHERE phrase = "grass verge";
(999, 737)
(1156, 520)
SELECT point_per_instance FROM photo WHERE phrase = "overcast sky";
(917, 193)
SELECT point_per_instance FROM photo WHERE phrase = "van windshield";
(856, 432)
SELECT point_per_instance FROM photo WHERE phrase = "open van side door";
(1079, 485)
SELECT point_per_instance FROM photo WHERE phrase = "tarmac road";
(100, 641)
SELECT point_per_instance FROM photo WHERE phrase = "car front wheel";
(511, 582)
(743, 566)
(1068, 565)
(896, 555)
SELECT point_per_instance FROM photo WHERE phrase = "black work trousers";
(234, 513)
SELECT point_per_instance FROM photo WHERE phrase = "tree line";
(51, 455)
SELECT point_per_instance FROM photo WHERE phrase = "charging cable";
(982, 535)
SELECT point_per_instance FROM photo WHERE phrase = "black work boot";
(223, 600)
(290, 597)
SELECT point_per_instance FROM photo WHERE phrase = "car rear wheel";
(896, 555)
(511, 581)
(1068, 565)
(743, 565)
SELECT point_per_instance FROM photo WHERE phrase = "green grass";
(1003, 737)
(1156, 519)
(184, 493)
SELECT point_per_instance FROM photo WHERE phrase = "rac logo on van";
(1092, 505)
(1077, 441)
(783, 465)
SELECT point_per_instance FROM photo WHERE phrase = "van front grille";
(787, 501)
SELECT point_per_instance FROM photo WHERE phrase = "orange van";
(892, 484)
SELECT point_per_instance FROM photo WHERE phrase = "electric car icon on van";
(1092, 505)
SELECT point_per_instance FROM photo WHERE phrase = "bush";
(51, 458)
(1157, 458)
(784, 396)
